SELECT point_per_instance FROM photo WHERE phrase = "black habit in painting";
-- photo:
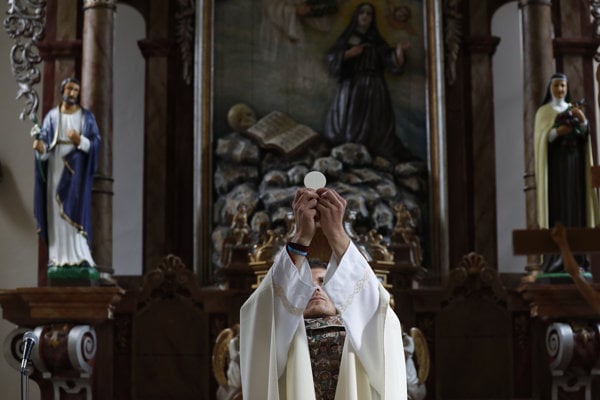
(362, 110)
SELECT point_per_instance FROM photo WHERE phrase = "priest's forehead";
(317, 263)
(318, 275)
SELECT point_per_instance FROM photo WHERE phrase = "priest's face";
(320, 305)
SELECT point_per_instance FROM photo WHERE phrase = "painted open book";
(280, 132)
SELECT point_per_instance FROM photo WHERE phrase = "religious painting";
(340, 86)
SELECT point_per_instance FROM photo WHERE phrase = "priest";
(321, 333)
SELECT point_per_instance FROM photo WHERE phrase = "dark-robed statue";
(362, 109)
(563, 157)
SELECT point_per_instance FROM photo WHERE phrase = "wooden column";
(482, 49)
(574, 48)
(96, 95)
(156, 49)
(537, 69)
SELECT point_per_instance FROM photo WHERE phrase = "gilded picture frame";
(214, 22)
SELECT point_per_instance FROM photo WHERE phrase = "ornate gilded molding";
(453, 34)
(376, 247)
(184, 36)
(264, 252)
(25, 23)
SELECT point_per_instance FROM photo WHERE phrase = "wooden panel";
(170, 352)
(473, 350)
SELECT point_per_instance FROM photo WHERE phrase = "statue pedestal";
(71, 324)
(568, 339)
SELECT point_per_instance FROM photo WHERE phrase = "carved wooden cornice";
(582, 46)
(48, 305)
(473, 277)
(171, 279)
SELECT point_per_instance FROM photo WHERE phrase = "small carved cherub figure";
(239, 234)
(240, 230)
(404, 220)
(227, 351)
(405, 230)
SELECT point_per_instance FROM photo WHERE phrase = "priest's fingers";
(305, 213)
(332, 208)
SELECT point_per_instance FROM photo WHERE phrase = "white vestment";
(274, 356)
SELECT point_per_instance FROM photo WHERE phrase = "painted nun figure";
(362, 110)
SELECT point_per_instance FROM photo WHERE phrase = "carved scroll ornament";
(25, 23)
